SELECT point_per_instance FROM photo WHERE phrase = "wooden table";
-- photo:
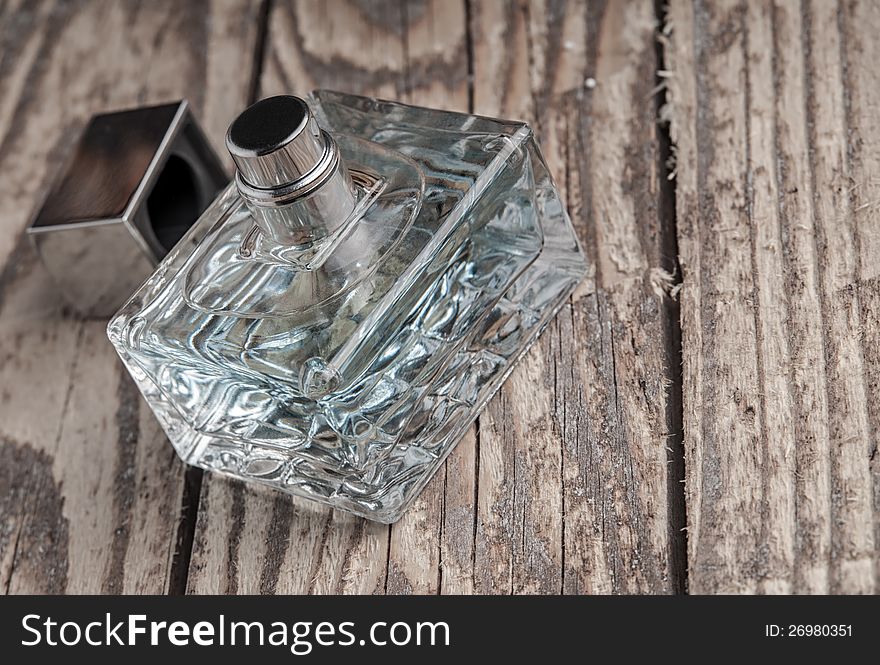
(702, 416)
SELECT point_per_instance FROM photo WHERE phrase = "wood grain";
(769, 109)
(437, 76)
(573, 491)
(860, 24)
(564, 483)
(90, 488)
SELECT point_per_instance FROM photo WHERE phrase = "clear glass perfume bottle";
(341, 313)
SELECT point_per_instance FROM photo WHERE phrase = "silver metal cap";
(276, 142)
(290, 173)
(137, 181)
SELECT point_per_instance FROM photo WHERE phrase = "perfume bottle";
(341, 313)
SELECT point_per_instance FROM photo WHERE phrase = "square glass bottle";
(341, 313)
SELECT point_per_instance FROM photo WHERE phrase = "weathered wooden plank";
(622, 404)
(573, 476)
(437, 76)
(809, 401)
(777, 456)
(852, 543)
(778, 390)
(860, 47)
(518, 534)
(88, 481)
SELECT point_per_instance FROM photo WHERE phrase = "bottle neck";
(309, 220)
(291, 174)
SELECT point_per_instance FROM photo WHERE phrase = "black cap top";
(268, 125)
(275, 142)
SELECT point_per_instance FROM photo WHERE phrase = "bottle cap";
(137, 181)
(280, 152)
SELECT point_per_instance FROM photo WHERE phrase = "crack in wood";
(676, 503)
